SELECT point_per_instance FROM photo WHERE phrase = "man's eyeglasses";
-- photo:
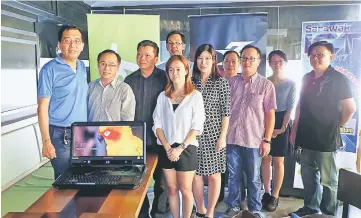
(104, 65)
(250, 59)
(74, 41)
(175, 43)
(318, 56)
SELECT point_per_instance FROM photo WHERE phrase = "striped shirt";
(249, 102)
(114, 102)
(146, 91)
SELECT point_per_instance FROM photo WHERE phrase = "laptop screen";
(108, 142)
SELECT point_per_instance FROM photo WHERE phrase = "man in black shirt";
(147, 83)
(326, 103)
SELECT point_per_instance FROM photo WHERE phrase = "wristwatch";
(184, 146)
(265, 141)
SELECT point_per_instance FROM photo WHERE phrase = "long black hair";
(215, 71)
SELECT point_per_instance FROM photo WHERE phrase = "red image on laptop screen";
(107, 141)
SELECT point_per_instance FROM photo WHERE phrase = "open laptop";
(105, 155)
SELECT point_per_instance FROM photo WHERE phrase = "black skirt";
(281, 146)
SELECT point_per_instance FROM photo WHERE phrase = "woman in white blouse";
(178, 118)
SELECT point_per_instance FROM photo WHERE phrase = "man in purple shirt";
(253, 104)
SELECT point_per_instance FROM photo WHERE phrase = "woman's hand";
(170, 155)
(276, 132)
(176, 152)
(169, 151)
(221, 144)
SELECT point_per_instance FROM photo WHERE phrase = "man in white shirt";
(176, 44)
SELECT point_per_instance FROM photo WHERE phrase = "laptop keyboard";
(92, 179)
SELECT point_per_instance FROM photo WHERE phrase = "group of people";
(201, 124)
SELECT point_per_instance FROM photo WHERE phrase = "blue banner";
(230, 32)
(346, 38)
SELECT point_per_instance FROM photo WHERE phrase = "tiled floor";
(286, 205)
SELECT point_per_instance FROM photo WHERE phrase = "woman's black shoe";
(265, 199)
(272, 204)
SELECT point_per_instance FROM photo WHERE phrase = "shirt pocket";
(255, 100)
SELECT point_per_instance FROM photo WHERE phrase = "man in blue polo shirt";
(62, 93)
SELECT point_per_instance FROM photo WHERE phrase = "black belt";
(60, 127)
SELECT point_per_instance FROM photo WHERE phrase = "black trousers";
(224, 181)
(160, 206)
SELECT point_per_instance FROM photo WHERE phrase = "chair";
(349, 190)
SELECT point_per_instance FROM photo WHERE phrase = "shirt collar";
(60, 60)
(326, 73)
(113, 83)
(253, 77)
(156, 71)
(328, 70)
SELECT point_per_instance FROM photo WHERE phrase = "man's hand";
(221, 144)
(48, 150)
(292, 137)
(264, 149)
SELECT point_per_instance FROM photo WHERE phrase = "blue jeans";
(62, 160)
(318, 169)
(241, 159)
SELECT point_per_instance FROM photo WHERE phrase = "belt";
(61, 127)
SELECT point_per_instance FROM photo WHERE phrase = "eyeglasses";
(104, 65)
(277, 62)
(318, 56)
(175, 43)
(250, 59)
(69, 41)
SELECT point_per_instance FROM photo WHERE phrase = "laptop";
(105, 155)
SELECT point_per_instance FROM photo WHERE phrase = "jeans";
(160, 206)
(241, 159)
(62, 160)
(320, 179)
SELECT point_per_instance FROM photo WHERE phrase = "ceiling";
(166, 2)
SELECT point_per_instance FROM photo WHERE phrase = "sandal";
(201, 215)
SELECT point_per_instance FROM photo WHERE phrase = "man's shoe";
(265, 199)
(303, 212)
(272, 204)
(231, 213)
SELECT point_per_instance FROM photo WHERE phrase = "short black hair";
(279, 53)
(250, 46)
(176, 32)
(109, 51)
(231, 52)
(327, 45)
(68, 27)
(149, 43)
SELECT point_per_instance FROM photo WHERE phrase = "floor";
(286, 206)
(14, 198)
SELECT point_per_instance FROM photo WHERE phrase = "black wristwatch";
(265, 141)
